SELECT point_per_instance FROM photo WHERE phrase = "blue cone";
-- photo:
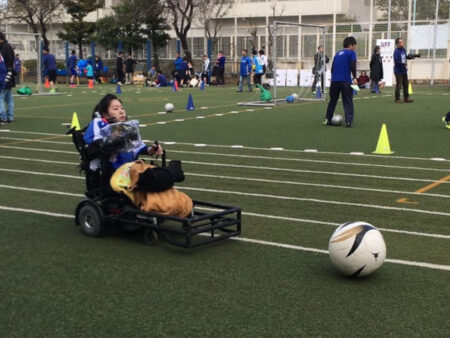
(118, 89)
(190, 103)
(318, 92)
(202, 85)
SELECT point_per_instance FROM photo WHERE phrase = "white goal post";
(28, 46)
(293, 73)
(320, 32)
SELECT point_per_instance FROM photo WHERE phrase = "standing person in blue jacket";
(401, 72)
(3, 72)
(258, 68)
(342, 70)
(220, 63)
(177, 72)
(98, 69)
(6, 96)
(18, 67)
(49, 63)
(245, 71)
(89, 70)
(72, 65)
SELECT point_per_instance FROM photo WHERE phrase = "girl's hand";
(155, 149)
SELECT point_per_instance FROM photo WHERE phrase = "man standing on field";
(344, 65)
(401, 72)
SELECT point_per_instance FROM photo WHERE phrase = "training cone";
(190, 103)
(47, 83)
(90, 83)
(410, 91)
(75, 123)
(118, 89)
(383, 147)
(175, 86)
(202, 85)
(318, 92)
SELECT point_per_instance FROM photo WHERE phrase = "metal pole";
(389, 20)
(93, 53)
(433, 64)
(209, 52)
(324, 58)
(149, 55)
(333, 49)
(274, 49)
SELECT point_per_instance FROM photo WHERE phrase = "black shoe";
(3, 121)
(10, 121)
(348, 124)
(327, 123)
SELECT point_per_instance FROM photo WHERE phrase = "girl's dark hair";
(103, 105)
(377, 48)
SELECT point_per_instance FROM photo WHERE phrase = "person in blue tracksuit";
(72, 65)
(245, 71)
(401, 72)
(17, 68)
(342, 70)
(98, 68)
(258, 68)
(49, 63)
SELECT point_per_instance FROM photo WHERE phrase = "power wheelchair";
(103, 209)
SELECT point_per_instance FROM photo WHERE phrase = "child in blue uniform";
(245, 71)
(50, 66)
(344, 65)
(72, 65)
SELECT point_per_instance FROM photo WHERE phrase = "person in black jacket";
(319, 69)
(376, 69)
(8, 55)
(119, 68)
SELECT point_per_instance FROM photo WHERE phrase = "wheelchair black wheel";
(150, 237)
(91, 222)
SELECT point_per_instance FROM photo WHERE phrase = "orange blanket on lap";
(170, 202)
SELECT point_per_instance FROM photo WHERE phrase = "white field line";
(241, 193)
(40, 150)
(251, 214)
(255, 167)
(261, 157)
(36, 141)
(249, 179)
(38, 160)
(254, 241)
(312, 221)
(226, 165)
(270, 158)
(253, 148)
(315, 200)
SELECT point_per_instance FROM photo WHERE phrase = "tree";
(211, 18)
(182, 14)
(272, 19)
(77, 30)
(399, 9)
(156, 27)
(37, 14)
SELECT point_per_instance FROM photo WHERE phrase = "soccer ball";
(169, 107)
(357, 249)
(295, 96)
(290, 99)
(337, 120)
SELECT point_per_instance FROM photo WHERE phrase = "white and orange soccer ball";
(357, 249)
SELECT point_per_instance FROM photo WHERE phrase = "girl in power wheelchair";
(150, 188)
(123, 190)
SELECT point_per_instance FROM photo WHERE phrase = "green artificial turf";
(56, 282)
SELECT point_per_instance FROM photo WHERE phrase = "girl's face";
(116, 111)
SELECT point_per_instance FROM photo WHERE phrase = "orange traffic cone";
(47, 83)
(90, 83)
